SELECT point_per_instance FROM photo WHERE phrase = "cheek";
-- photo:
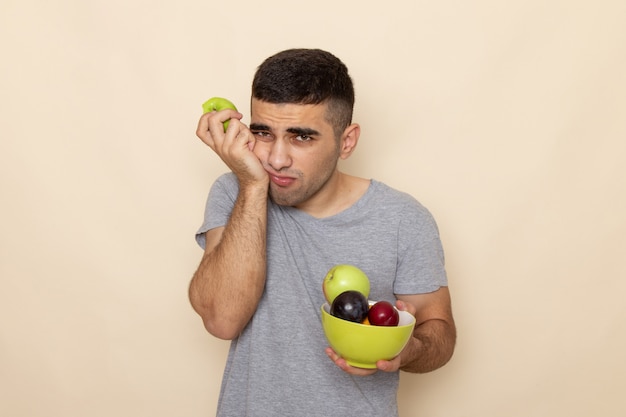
(260, 150)
(319, 163)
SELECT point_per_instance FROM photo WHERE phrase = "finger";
(402, 306)
(344, 366)
(359, 371)
(389, 366)
(338, 360)
(218, 138)
(239, 135)
(203, 125)
(217, 119)
(202, 131)
(331, 354)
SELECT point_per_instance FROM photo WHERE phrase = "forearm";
(431, 346)
(226, 288)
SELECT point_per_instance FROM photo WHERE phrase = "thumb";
(404, 306)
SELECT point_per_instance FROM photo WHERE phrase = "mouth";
(281, 181)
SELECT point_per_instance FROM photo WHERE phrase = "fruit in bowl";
(363, 345)
(383, 313)
(344, 277)
(350, 305)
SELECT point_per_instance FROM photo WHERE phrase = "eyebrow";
(258, 126)
(305, 131)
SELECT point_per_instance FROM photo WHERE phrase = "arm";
(226, 287)
(434, 337)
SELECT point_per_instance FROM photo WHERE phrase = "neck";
(340, 192)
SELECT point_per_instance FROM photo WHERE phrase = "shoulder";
(226, 184)
(228, 180)
(406, 209)
(390, 197)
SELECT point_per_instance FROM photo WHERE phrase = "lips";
(282, 181)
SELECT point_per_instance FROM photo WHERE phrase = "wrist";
(411, 352)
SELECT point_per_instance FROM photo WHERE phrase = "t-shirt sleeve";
(421, 263)
(219, 205)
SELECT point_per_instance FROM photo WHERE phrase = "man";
(279, 221)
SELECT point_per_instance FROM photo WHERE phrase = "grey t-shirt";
(277, 366)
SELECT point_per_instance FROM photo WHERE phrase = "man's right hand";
(235, 146)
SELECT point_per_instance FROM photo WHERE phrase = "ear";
(349, 140)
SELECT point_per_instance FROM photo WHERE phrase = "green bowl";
(362, 345)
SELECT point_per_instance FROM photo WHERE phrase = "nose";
(279, 157)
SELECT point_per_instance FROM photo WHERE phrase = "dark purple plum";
(350, 305)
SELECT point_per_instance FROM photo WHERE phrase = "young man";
(279, 221)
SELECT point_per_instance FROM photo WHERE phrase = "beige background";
(506, 119)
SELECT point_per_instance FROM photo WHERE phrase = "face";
(298, 149)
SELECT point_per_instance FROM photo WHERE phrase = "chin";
(284, 199)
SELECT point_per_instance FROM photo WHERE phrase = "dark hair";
(307, 76)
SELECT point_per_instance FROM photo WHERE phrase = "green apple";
(217, 104)
(342, 278)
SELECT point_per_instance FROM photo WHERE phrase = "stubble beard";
(297, 196)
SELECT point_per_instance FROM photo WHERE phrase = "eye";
(263, 135)
(303, 138)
